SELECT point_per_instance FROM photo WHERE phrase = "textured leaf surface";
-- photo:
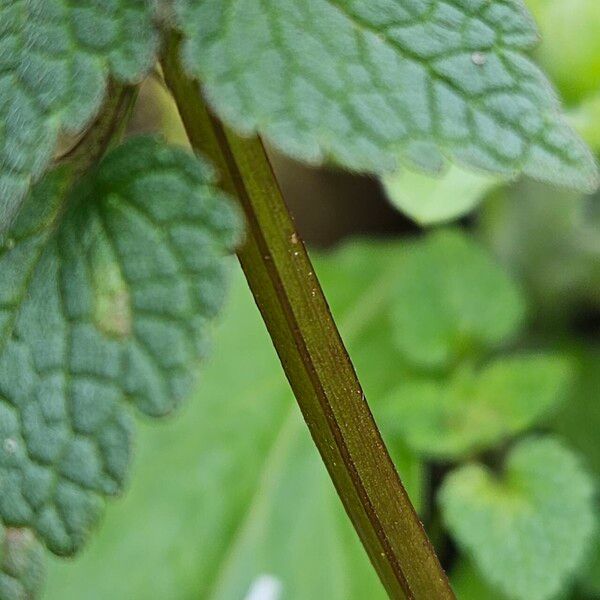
(451, 299)
(105, 294)
(21, 564)
(55, 57)
(242, 496)
(474, 411)
(368, 84)
(525, 533)
(431, 200)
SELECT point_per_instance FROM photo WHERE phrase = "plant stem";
(107, 127)
(312, 353)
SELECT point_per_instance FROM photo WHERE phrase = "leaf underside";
(55, 58)
(433, 200)
(372, 84)
(105, 295)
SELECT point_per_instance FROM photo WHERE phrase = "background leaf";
(476, 410)
(586, 119)
(589, 577)
(468, 584)
(550, 241)
(573, 61)
(451, 300)
(578, 420)
(430, 200)
(526, 535)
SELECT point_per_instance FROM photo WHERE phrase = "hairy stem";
(312, 353)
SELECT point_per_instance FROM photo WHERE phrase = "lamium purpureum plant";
(113, 260)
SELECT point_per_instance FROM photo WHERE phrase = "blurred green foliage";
(527, 528)
(233, 490)
(471, 411)
(464, 341)
(451, 302)
(431, 200)
(231, 494)
(570, 48)
(550, 240)
(578, 421)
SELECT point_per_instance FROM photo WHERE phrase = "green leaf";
(474, 411)
(578, 421)
(451, 299)
(105, 296)
(528, 528)
(55, 58)
(430, 200)
(550, 240)
(21, 564)
(373, 84)
(590, 576)
(468, 584)
(234, 492)
(585, 118)
(570, 49)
